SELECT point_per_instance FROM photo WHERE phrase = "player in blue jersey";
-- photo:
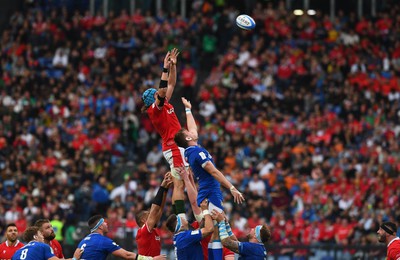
(97, 246)
(36, 249)
(187, 242)
(252, 250)
(208, 176)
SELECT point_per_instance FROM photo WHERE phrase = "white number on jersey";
(23, 253)
(202, 155)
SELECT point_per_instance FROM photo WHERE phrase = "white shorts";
(176, 159)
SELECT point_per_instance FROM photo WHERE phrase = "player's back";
(97, 247)
(165, 122)
(252, 251)
(187, 245)
(197, 157)
(33, 251)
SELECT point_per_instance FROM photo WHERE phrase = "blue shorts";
(214, 197)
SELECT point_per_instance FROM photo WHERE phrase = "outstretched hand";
(237, 196)
(174, 56)
(167, 181)
(186, 103)
(167, 60)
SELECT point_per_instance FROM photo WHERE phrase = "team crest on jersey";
(158, 238)
(170, 111)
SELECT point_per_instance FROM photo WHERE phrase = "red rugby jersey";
(6, 251)
(148, 242)
(166, 123)
(393, 249)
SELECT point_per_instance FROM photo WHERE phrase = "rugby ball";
(245, 22)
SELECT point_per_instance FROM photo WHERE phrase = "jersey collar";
(16, 243)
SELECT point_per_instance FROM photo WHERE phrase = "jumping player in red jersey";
(166, 123)
(12, 244)
(148, 238)
(47, 230)
(387, 235)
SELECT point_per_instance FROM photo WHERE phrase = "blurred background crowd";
(302, 114)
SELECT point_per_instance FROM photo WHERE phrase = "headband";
(257, 231)
(101, 221)
(387, 229)
(178, 224)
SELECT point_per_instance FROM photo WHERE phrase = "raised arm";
(228, 240)
(159, 202)
(191, 191)
(211, 169)
(191, 124)
(162, 88)
(172, 73)
(208, 222)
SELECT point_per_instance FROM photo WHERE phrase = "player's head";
(98, 224)
(175, 223)
(141, 217)
(46, 228)
(33, 233)
(260, 233)
(183, 137)
(11, 232)
(386, 231)
(149, 97)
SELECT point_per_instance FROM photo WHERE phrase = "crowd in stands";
(302, 113)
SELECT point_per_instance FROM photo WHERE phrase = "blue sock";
(215, 250)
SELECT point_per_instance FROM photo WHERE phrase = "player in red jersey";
(148, 237)
(12, 244)
(47, 230)
(163, 117)
(387, 234)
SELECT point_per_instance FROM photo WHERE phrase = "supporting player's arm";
(208, 221)
(172, 73)
(159, 202)
(191, 124)
(191, 192)
(122, 253)
(211, 169)
(228, 240)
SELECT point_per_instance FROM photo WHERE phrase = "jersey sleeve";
(109, 245)
(200, 157)
(47, 251)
